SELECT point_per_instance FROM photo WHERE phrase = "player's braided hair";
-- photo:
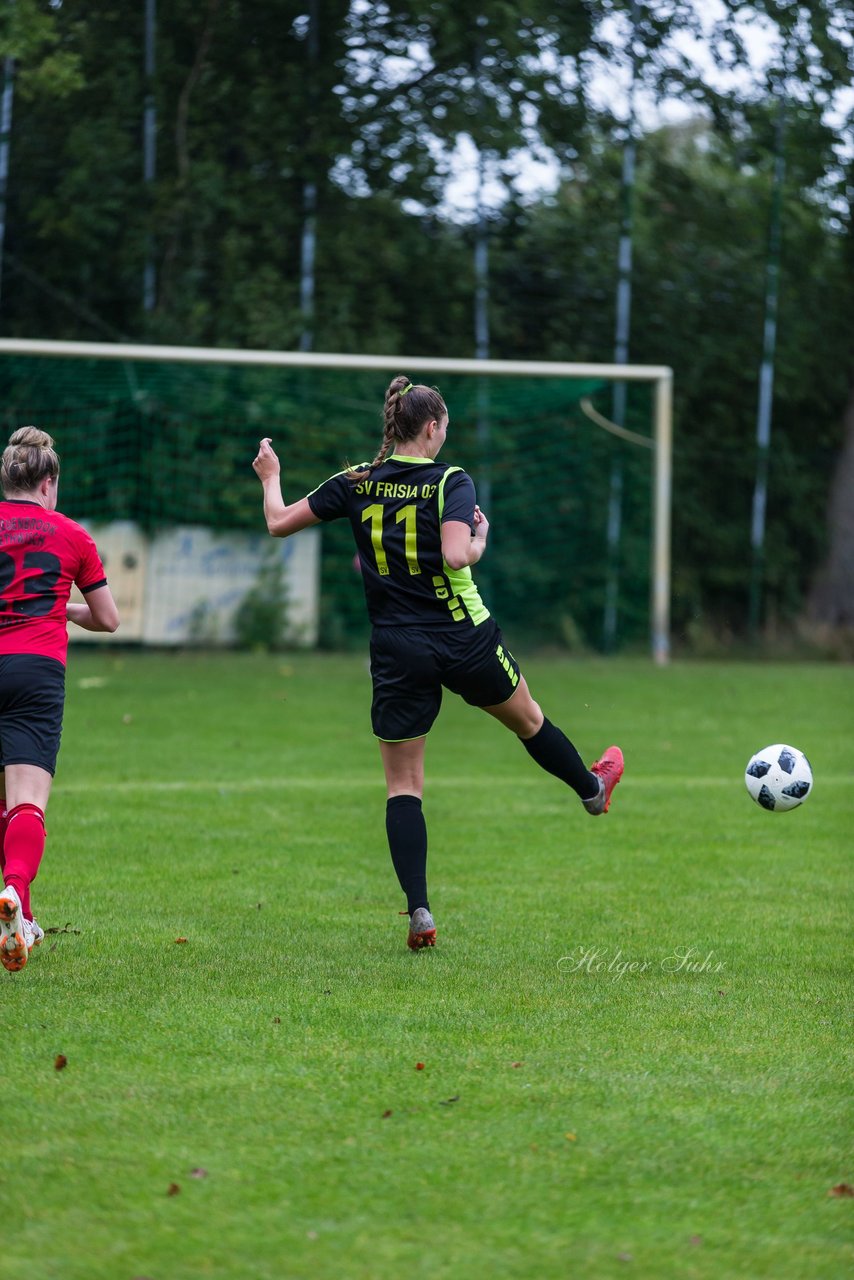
(407, 407)
(27, 459)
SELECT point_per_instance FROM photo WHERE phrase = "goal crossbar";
(660, 377)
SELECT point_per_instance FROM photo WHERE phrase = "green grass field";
(246, 1102)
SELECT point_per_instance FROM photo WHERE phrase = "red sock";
(23, 847)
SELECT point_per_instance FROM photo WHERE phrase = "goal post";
(28, 391)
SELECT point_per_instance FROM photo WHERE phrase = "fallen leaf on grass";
(173, 1189)
(570, 1137)
(696, 1240)
(277, 1021)
(66, 928)
(517, 1064)
(182, 939)
(419, 1066)
(198, 1173)
(841, 1189)
(624, 1257)
(446, 1102)
(386, 1114)
(60, 1061)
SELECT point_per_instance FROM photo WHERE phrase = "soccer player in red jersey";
(42, 555)
(418, 530)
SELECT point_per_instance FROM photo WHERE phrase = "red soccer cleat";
(608, 769)
(422, 930)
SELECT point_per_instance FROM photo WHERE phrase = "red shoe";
(422, 930)
(608, 769)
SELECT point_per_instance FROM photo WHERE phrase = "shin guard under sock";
(407, 842)
(554, 752)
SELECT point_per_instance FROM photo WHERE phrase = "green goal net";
(159, 442)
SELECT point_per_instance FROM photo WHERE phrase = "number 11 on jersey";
(408, 515)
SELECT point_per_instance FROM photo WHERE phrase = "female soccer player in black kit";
(418, 531)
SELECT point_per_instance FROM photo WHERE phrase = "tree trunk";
(182, 155)
(831, 602)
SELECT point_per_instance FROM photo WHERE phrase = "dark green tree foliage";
(487, 70)
(700, 260)
(48, 64)
(248, 112)
(73, 178)
(245, 117)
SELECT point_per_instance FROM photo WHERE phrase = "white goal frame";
(660, 376)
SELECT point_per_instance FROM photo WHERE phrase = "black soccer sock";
(554, 752)
(407, 841)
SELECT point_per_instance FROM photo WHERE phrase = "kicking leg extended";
(553, 751)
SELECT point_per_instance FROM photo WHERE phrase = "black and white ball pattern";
(779, 777)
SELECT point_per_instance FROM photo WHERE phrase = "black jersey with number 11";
(396, 512)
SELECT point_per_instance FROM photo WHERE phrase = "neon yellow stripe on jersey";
(466, 597)
(449, 472)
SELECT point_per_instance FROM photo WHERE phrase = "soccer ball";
(779, 777)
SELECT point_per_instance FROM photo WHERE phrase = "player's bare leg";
(520, 713)
(403, 763)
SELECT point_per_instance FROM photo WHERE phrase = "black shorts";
(32, 698)
(410, 666)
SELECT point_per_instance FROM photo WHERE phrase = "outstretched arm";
(281, 520)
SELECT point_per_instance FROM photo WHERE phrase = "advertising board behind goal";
(186, 585)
